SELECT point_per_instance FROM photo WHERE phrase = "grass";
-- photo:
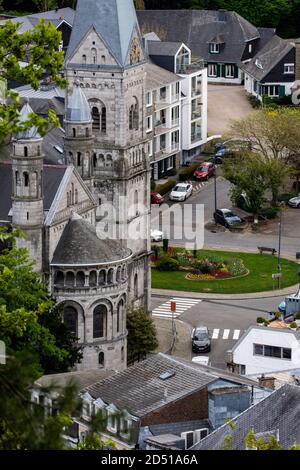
(259, 279)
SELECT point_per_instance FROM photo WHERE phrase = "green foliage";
(253, 443)
(165, 187)
(141, 339)
(188, 172)
(293, 324)
(152, 185)
(165, 245)
(285, 197)
(260, 320)
(269, 212)
(167, 263)
(297, 317)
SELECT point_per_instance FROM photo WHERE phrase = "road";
(226, 319)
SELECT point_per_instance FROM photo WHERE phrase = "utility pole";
(215, 184)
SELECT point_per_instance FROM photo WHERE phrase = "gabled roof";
(279, 411)
(140, 390)
(52, 176)
(82, 378)
(262, 329)
(114, 21)
(268, 57)
(55, 16)
(79, 245)
(196, 28)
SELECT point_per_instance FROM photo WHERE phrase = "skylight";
(166, 375)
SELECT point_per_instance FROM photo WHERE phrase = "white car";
(156, 235)
(202, 360)
(295, 202)
(181, 192)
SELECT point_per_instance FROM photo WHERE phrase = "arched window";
(102, 278)
(95, 160)
(59, 279)
(39, 150)
(94, 55)
(87, 132)
(134, 115)
(101, 359)
(80, 279)
(74, 132)
(79, 159)
(72, 194)
(93, 279)
(110, 276)
(136, 202)
(84, 59)
(26, 179)
(122, 354)
(17, 178)
(71, 319)
(103, 59)
(99, 321)
(103, 119)
(119, 274)
(76, 196)
(70, 279)
(101, 160)
(25, 151)
(96, 118)
(35, 184)
(131, 113)
(135, 286)
(124, 272)
(120, 312)
(70, 157)
(109, 161)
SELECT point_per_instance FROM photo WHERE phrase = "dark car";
(227, 218)
(205, 171)
(156, 198)
(200, 339)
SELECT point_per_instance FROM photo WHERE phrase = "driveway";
(224, 104)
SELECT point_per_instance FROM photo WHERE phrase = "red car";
(205, 171)
(156, 198)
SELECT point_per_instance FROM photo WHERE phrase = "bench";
(266, 249)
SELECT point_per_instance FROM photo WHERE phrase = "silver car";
(200, 339)
(295, 202)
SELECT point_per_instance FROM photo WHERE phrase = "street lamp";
(215, 184)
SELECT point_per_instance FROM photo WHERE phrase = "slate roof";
(52, 176)
(179, 427)
(197, 28)
(157, 77)
(82, 378)
(279, 411)
(32, 132)
(164, 48)
(272, 53)
(113, 20)
(55, 16)
(140, 391)
(78, 109)
(80, 245)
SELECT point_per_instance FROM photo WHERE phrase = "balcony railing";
(196, 91)
(190, 68)
(175, 97)
(175, 146)
(175, 123)
(196, 136)
(196, 115)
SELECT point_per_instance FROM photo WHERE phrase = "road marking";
(226, 334)
(236, 334)
(182, 304)
(215, 333)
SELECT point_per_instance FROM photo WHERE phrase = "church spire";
(115, 21)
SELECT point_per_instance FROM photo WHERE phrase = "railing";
(196, 136)
(196, 92)
(175, 97)
(161, 124)
(175, 123)
(193, 67)
(196, 115)
(175, 146)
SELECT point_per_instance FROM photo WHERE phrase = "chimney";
(267, 382)
(297, 68)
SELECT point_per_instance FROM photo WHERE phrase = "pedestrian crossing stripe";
(182, 304)
(226, 334)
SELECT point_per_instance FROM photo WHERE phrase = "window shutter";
(281, 91)
(219, 71)
(236, 71)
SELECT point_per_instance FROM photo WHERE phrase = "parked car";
(205, 171)
(200, 339)
(228, 148)
(181, 192)
(156, 235)
(227, 218)
(223, 153)
(295, 202)
(234, 142)
(282, 307)
(156, 198)
(202, 360)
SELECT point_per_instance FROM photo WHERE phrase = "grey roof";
(81, 378)
(140, 391)
(78, 109)
(196, 28)
(32, 132)
(265, 35)
(280, 411)
(179, 427)
(114, 20)
(164, 48)
(166, 441)
(267, 58)
(157, 77)
(44, 92)
(55, 16)
(80, 245)
(52, 176)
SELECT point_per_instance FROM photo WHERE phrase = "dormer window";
(258, 64)
(289, 68)
(214, 48)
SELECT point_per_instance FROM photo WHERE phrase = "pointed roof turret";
(32, 132)
(78, 109)
(114, 21)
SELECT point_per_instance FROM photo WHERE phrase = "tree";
(29, 321)
(141, 338)
(45, 5)
(139, 4)
(275, 138)
(39, 48)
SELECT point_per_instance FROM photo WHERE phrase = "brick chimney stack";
(267, 382)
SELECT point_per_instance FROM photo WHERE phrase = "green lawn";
(259, 279)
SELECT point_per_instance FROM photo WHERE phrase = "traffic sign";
(173, 307)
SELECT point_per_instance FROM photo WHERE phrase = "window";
(74, 132)
(250, 47)
(120, 315)
(79, 159)
(101, 359)
(70, 319)
(84, 59)
(214, 48)
(94, 55)
(212, 70)
(149, 124)
(150, 148)
(270, 90)
(175, 116)
(25, 152)
(96, 118)
(26, 179)
(289, 68)
(189, 439)
(135, 286)
(242, 369)
(103, 119)
(149, 99)
(99, 321)
(112, 424)
(229, 71)
(272, 351)
(134, 116)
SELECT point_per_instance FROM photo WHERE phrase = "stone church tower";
(105, 62)
(27, 188)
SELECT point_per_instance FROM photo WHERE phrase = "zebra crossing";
(182, 304)
(226, 334)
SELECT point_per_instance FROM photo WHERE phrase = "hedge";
(188, 172)
(165, 187)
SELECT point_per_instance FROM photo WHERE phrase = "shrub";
(167, 264)
(172, 172)
(255, 103)
(165, 187)
(270, 212)
(293, 325)
(188, 172)
(297, 317)
(260, 320)
(278, 315)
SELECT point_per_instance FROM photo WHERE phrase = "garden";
(217, 271)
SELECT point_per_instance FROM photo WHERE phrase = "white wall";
(255, 364)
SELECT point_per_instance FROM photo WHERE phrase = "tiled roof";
(158, 77)
(280, 412)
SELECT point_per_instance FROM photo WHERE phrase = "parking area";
(224, 104)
